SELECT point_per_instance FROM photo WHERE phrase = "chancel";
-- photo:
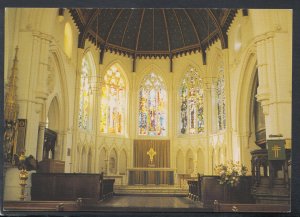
(106, 107)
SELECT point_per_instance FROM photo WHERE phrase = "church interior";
(139, 109)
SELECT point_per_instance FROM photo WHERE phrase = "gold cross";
(151, 154)
(276, 150)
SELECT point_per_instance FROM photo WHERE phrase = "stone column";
(229, 149)
(40, 145)
(274, 74)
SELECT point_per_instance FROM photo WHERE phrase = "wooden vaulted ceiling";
(153, 32)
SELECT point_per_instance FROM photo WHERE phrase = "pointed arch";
(123, 162)
(180, 162)
(83, 165)
(89, 160)
(152, 108)
(113, 161)
(200, 161)
(189, 162)
(88, 72)
(102, 164)
(191, 98)
(113, 102)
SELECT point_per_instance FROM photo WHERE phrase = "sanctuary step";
(151, 190)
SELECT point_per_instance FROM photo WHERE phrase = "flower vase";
(23, 176)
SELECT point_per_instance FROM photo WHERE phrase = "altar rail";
(207, 189)
(148, 176)
(70, 186)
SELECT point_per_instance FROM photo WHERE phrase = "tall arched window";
(84, 96)
(113, 103)
(221, 100)
(152, 106)
(191, 106)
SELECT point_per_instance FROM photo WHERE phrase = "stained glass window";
(84, 95)
(221, 100)
(113, 103)
(191, 106)
(152, 106)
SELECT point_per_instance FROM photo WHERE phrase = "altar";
(151, 163)
(151, 176)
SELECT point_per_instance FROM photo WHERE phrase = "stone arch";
(102, 163)
(244, 92)
(200, 161)
(53, 115)
(113, 161)
(123, 162)
(90, 161)
(189, 161)
(180, 162)
(83, 163)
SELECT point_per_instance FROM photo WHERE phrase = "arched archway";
(189, 162)
(123, 163)
(180, 162)
(102, 164)
(113, 162)
(89, 161)
(200, 161)
(83, 164)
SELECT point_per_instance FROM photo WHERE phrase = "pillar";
(40, 145)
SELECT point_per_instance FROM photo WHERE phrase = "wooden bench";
(42, 206)
(70, 186)
(235, 207)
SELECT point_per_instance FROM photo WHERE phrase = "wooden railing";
(40, 206)
(195, 188)
(237, 207)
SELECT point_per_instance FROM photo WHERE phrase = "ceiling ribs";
(179, 26)
(139, 32)
(153, 29)
(87, 27)
(198, 37)
(221, 33)
(167, 30)
(126, 28)
(112, 26)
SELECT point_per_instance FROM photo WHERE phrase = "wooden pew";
(42, 206)
(236, 207)
(70, 186)
(207, 189)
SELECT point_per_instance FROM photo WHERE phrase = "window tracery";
(113, 103)
(221, 100)
(152, 106)
(84, 95)
(191, 107)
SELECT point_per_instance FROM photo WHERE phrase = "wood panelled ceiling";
(153, 32)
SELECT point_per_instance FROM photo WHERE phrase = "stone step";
(150, 190)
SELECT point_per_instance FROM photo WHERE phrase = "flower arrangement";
(230, 172)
